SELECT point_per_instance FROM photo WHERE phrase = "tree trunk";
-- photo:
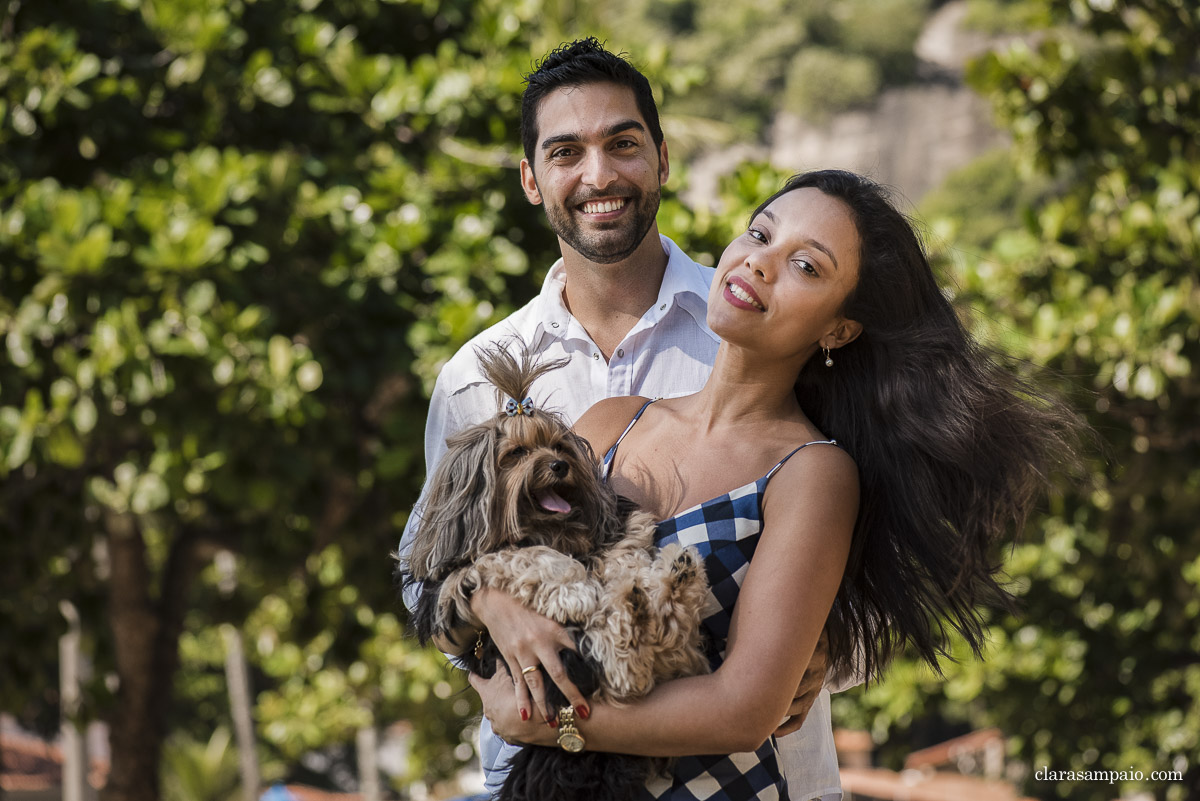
(146, 646)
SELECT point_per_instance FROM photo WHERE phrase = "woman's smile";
(739, 293)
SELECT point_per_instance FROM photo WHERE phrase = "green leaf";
(279, 352)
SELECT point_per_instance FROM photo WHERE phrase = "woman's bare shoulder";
(818, 481)
(821, 462)
(604, 421)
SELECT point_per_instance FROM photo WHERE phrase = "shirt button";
(662, 307)
(595, 355)
(620, 352)
(554, 325)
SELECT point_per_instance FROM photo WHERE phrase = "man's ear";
(529, 183)
(664, 164)
(845, 332)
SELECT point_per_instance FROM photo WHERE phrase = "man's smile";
(602, 206)
(604, 209)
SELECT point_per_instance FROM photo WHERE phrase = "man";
(625, 307)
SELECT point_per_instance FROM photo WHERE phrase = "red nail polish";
(524, 715)
(582, 711)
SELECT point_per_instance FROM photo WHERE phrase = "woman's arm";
(809, 514)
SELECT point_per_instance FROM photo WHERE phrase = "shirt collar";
(551, 312)
(685, 283)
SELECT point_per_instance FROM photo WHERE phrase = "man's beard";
(610, 244)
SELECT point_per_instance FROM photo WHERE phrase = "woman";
(848, 465)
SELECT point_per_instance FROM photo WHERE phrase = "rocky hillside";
(911, 138)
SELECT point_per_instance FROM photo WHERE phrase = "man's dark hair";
(582, 62)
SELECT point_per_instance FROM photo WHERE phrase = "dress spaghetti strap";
(612, 452)
(794, 452)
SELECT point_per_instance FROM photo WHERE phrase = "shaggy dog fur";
(518, 504)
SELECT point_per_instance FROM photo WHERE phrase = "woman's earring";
(828, 358)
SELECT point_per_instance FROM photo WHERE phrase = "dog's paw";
(684, 566)
(676, 578)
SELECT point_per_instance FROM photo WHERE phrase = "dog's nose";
(559, 468)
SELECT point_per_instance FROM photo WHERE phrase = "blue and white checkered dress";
(725, 530)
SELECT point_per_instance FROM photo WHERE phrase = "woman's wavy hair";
(953, 447)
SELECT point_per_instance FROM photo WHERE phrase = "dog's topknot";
(513, 377)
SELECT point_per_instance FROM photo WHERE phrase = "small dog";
(518, 504)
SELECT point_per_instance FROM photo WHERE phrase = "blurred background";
(238, 238)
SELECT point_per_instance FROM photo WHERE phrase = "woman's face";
(780, 287)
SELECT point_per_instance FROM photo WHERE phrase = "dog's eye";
(516, 453)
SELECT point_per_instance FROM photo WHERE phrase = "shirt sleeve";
(442, 421)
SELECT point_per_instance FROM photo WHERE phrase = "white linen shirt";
(669, 352)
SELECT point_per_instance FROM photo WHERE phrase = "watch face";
(571, 742)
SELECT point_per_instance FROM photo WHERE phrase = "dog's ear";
(457, 512)
(598, 503)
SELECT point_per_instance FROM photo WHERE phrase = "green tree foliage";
(200, 771)
(331, 662)
(234, 239)
(821, 80)
(743, 62)
(1097, 281)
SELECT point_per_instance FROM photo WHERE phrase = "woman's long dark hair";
(952, 447)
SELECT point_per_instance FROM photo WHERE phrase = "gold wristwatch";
(569, 738)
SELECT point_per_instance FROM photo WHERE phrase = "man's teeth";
(744, 296)
(601, 206)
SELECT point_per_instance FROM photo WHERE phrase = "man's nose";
(598, 169)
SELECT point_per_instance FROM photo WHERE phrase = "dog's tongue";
(552, 502)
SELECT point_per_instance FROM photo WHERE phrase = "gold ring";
(528, 670)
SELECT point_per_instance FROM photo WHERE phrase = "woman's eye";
(805, 266)
(757, 234)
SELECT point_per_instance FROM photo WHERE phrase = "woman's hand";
(496, 694)
(810, 687)
(527, 639)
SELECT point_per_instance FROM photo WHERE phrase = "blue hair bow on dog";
(513, 408)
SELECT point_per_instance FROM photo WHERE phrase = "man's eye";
(562, 153)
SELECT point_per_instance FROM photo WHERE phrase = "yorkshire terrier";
(518, 504)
